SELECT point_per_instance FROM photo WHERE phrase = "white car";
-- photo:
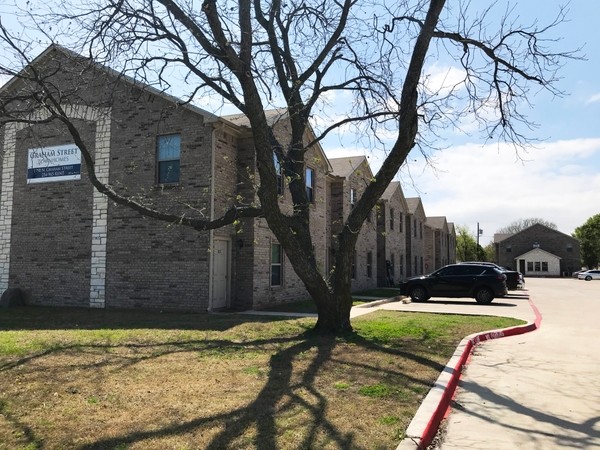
(589, 275)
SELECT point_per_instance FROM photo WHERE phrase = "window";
(401, 264)
(537, 266)
(508, 249)
(529, 266)
(310, 184)
(369, 264)
(421, 230)
(167, 157)
(415, 233)
(278, 174)
(400, 225)
(391, 218)
(569, 248)
(276, 266)
(352, 197)
(544, 266)
(392, 266)
(354, 265)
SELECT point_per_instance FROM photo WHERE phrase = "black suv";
(513, 278)
(479, 281)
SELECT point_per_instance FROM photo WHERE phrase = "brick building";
(391, 238)
(538, 251)
(437, 243)
(67, 244)
(347, 182)
(415, 237)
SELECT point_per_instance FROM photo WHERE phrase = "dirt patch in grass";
(85, 379)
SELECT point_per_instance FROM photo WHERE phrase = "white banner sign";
(59, 163)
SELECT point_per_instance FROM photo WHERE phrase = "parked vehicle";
(479, 281)
(589, 275)
(514, 279)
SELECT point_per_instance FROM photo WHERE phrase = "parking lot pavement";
(514, 305)
(538, 390)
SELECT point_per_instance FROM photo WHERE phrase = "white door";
(220, 279)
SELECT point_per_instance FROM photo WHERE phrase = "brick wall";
(544, 238)
(292, 288)
(391, 243)
(51, 225)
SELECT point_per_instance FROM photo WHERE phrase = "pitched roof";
(344, 167)
(436, 222)
(537, 251)
(210, 117)
(502, 237)
(273, 116)
(389, 191)
(413, 203)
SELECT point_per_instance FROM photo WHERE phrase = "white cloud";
(593, 99)
(443, 79)
(558, 181)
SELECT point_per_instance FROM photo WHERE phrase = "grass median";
(107, 379)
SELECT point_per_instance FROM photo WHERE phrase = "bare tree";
(297, 54)
(520, 224)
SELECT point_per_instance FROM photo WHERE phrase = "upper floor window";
(278, 174)
(569, 248)
(420, 230)
(310, 184)
(508, 249)
(415, 228)
(369, 264)
(391, 218)
(352, 197)
(400, 225)
(168, 149)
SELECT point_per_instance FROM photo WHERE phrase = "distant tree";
(489, 252)
(589, 238)
(466, 246)
(521, 224)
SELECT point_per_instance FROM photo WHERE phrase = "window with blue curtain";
(168, 149)
(310, 185)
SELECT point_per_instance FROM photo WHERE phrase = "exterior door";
(220, 276)
(522, 266)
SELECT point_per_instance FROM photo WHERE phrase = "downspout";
(212, 215)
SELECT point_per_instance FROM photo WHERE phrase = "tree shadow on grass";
(285, 390)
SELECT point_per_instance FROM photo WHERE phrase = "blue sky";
(473, 181)
(557, 180)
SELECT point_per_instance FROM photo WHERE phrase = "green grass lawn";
(107, 379)
(309, 307)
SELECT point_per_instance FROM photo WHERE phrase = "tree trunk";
(334, 312)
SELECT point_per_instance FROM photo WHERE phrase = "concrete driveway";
(539, 390)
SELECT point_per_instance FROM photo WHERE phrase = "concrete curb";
(424, 426)
(381, 301)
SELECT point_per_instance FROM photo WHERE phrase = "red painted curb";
(444, 404)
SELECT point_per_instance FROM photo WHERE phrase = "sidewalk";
(539, 390)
